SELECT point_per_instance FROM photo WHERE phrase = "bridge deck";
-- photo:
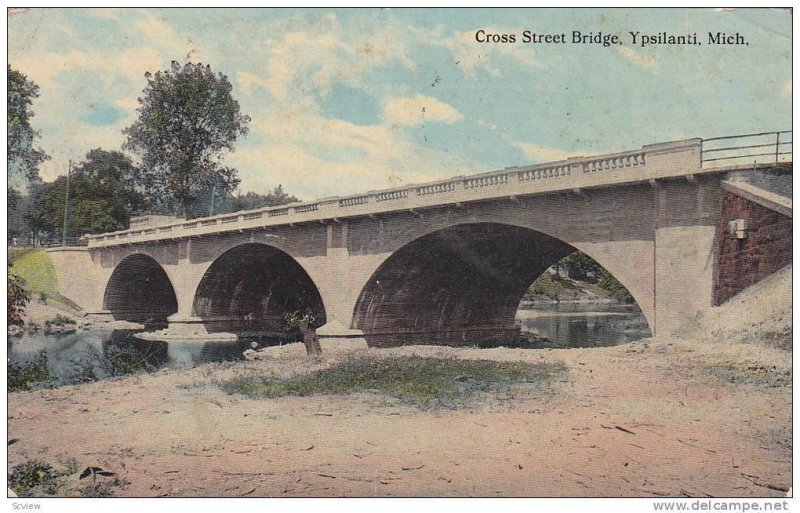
(648, 164)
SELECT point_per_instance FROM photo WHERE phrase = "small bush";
(17, 298)
(33, 477)
(123, 360)
(21, 376)
(60, 320)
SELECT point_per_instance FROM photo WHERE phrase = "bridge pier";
(338, 290)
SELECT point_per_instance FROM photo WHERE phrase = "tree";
(35, 217)
(13, 200)
(187, 121)
(580, 266)
(17, 298)
(253, 200)
(102, 195)
(305, 323)
(23, 157)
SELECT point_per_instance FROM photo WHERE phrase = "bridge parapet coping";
(672, 159)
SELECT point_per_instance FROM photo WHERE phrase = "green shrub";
(33, 476)
(122, 360)
(21, 376)
(60, 320)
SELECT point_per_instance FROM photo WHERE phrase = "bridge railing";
(651, 162)
(567, 174)
(756, 148)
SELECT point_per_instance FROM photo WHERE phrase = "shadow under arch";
(139, 290)
(458, 285)
(250, 288)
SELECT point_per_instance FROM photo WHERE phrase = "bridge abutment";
(685, 256)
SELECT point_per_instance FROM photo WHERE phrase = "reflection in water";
(97, 354)
(105, 354)
(585, 325)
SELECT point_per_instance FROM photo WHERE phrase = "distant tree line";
(580, 266)
(187, 121)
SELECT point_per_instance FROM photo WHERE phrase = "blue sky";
(349, 100)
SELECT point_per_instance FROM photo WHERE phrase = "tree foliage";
(23, 157)
(253, 200)
(187, 121)
(580, 266)
(102, 196)
(17, 297)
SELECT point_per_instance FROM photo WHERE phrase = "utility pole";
(66, 207)
(213, 195)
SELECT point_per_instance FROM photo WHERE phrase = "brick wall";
(767, 248)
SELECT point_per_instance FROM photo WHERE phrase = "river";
(90, 355)
(585, 324)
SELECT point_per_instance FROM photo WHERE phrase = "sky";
(344, 101)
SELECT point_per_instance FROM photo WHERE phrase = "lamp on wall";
(738, 228)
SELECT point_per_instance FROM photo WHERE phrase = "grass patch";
(35, 267)
(754, 374)
(16, 254)
(419, 381)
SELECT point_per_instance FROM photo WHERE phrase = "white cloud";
(248, 82)
(539, 154)
(471, 56)
(43, 69)
(637, 58)
(323, 54)
(314, 156)
(158, 34)
(407, 111)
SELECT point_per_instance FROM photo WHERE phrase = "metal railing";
(760, 148)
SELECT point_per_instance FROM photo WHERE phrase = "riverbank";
(37, 316)
(705, 413)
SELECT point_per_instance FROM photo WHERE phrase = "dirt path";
(646, 419)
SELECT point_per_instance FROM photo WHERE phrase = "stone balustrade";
(652, 162)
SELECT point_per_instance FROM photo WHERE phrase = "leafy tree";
(102, 195)
(23, 157)
(13, 199)
(253, 200)
(187, 121)
(580, 266)
(614, 288)
(35, 218)
(17, 297)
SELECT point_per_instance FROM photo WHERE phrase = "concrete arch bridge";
(445, 262)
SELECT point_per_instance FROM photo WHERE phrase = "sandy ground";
(707, 413)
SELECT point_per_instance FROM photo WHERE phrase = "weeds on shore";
(37, 478)
(420, 381)
(24, 376)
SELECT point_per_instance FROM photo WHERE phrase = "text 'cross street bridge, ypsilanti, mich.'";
(682, 225)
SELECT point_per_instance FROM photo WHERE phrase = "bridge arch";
(459, 283)
(139, 290)
(251, 286)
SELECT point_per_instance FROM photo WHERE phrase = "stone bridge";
(446, 261)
